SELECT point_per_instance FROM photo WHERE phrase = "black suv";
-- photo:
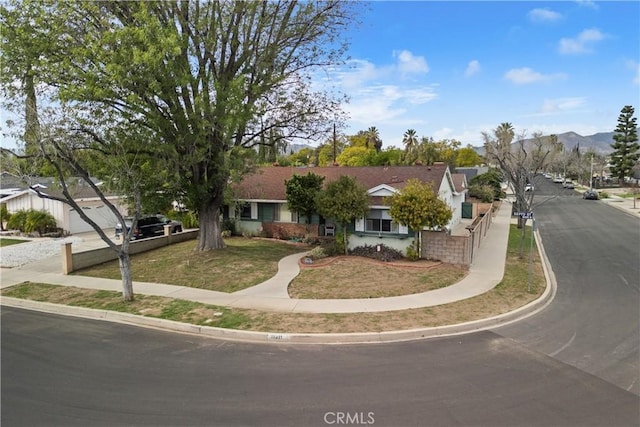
(149, 226)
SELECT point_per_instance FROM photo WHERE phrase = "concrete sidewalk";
(485, 273)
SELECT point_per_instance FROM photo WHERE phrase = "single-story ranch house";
(17, 197)
(262, 204)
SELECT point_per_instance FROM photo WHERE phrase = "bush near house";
(17, 220)
(483, 192)
(378, 252)
(31, 221)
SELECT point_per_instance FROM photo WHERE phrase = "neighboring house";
(66, 217)
(262, 204)
(472, 172)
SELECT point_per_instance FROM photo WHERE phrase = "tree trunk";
(210, 237)
(125, 270)
(345, 239)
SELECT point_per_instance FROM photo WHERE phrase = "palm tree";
(373, 138)
(505, 134)
(410, 140)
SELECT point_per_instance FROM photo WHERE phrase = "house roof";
(459, 182)
(268, 183)
(14, 187)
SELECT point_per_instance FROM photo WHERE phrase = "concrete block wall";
(77, 261)
(438, 245)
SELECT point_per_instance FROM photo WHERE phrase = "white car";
(529, 187)
(558, 180)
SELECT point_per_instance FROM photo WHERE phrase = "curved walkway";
(486, 272)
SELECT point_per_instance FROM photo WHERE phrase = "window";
(379, 221)
(245, 211)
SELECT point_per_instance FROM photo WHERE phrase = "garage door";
(101, 215)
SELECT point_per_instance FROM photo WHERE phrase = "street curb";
(305, 338)
(613, 204)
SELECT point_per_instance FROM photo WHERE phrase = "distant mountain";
(599, 142)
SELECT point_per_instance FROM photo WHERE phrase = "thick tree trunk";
(210, 237)
(125, 270)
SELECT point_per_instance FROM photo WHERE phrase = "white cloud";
(526, 75)
(582, 43)
(561, 105)
(408, 63)
(473, 67)
(588, 4)
(635, 66)
(383, 103)
(544, 15)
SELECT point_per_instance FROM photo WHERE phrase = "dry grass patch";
(510, 294)
(242, 264)
(355, 277)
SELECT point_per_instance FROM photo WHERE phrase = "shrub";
(187, 218)
(371, 251)
(229, 225)
(412, 253)
(40, 221)
(317, 253)
(483, 192)
(333, 247)
(17, 220)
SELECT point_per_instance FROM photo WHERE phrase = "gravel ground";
(23, 253)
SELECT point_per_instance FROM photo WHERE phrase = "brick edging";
(326, 262)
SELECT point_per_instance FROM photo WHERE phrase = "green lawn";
(8, 242)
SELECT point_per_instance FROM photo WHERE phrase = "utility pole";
(334, 144)
(591, 175)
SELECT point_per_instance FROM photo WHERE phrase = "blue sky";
(454, 69)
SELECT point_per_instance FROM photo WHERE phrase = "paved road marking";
(564, 346)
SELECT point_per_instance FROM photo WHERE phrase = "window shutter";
(254, 210)
(360, 224)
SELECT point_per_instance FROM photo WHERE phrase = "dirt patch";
(357, 277)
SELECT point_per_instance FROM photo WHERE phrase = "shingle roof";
(459, 181)
(268, 183)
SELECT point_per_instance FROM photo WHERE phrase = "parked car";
(569, 185)
(548, 175)
(558, 180)
(529, 187)
(590, 195)
(148, 226)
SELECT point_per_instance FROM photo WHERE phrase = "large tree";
(207, 78)
(626, 150)
(344, 200)
(519, 162)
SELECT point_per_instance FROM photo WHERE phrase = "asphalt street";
(64, 371)
(594, 320)
(574, 364)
